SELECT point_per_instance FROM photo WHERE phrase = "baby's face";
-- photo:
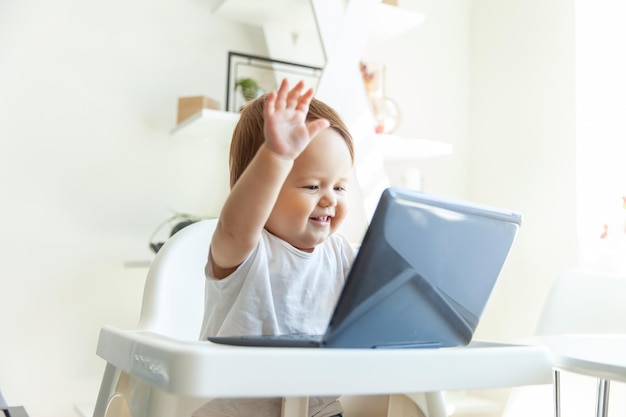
(312, 203)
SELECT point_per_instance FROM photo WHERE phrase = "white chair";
(173, 307)
(580, 301)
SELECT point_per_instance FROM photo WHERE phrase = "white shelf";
(144, 263)
(390, 21)
(208, 124)
(220, 124)
(297, 16)
(396, 148)
(294, 16)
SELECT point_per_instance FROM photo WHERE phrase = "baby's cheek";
(340, 215)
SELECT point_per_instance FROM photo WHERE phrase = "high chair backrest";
(583, 301)
(173, 298)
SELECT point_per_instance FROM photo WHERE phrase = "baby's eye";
(340, 188)
(311, 187)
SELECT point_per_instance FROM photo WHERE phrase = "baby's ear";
(316, 126)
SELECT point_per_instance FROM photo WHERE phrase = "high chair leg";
(436, 404)
(107, 397)
(431, 404)
(122, 395)
(403, 406)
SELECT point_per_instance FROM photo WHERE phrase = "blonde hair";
(248, 135)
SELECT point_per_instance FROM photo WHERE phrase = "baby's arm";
(252, 198)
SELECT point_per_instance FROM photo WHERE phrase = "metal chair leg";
(556, 386)
(602, 398)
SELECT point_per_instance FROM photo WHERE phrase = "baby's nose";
(328, 199)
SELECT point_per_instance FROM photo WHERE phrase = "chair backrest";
(584, 302)
(173, 298)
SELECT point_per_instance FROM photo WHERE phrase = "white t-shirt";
(278, 289)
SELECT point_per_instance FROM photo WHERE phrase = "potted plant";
(250, 89)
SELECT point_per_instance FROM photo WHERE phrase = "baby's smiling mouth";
(321, 219)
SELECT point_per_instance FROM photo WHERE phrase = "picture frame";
(267, 73)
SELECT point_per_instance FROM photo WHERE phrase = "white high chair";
(162, 369)
(173, 306)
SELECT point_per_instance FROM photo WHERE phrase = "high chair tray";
(203, 369)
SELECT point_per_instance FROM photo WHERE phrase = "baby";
(276, 264)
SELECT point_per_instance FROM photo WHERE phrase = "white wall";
(522, 149)
(523, 146)
(88, 96)
(600, 131)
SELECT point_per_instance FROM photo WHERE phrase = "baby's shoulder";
(340, 244)
(339, 239)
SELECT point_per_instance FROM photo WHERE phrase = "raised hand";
(286, 131)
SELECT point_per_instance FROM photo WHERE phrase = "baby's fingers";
(295, 95)
(304, 100)
(282, 95)
(317, 126)
(270, 105)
